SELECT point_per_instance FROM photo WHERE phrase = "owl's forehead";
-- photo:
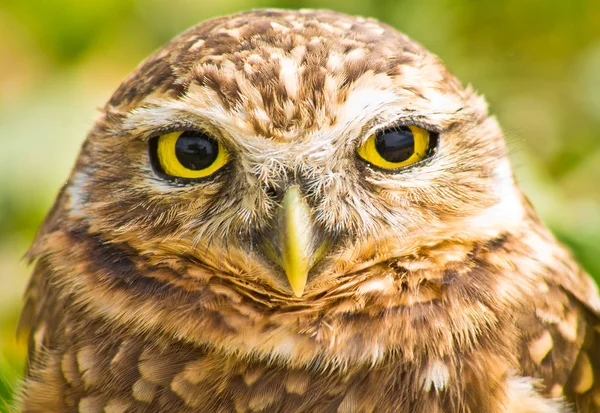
(274, 73)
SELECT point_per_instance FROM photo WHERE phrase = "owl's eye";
(396, 147)
(188, 154)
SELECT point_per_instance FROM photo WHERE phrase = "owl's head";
(289, 162)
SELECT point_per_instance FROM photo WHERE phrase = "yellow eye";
(188, 154)
(397, 147)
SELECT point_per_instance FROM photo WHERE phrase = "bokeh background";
(537, 61)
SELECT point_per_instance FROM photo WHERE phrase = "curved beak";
(295, 247)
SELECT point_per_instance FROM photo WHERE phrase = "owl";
(302, 211)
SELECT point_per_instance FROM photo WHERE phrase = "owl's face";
(310, 133)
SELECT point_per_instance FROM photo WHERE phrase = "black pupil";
(395, 145)
(195, 150)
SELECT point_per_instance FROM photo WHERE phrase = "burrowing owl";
(302, 211)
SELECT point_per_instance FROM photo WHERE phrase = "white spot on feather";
(523, 398)
(288, 74)
(377, 353)
(77, 194)
(285, 347)
(279, 27)
(435, 376)
(356, 54)
(197, 45)
(540, 347)
(383, 285)
(335, 62)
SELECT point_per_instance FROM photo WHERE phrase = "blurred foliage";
(537, 61)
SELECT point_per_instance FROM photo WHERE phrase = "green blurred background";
(537, 61)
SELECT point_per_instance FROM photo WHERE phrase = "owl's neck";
(395, 310)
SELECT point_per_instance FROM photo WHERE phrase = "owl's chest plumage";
(139, 376)
(91, 367)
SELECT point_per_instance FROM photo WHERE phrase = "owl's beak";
(295, 247)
